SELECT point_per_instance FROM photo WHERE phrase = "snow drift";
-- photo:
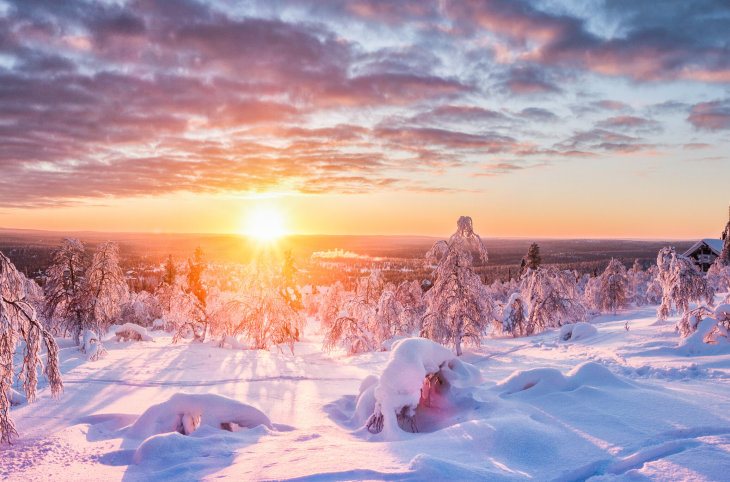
(184, 413)
(540, 381)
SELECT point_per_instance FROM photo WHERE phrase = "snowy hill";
(637, 409)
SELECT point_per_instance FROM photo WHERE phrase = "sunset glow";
(366, 118)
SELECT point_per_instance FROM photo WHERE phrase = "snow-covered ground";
(638, 409)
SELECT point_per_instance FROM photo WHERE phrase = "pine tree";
(533, 258)
(170, 271)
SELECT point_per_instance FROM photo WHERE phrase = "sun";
(265, 224)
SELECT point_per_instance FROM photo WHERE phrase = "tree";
(65, 288)
(552, 298)
(355, 326)
(681, 283)
(611, 290)
(170, 271)
(18, 322)
(458, 306)
(515, 316)
(288, 288)
(532, 259)
(331, 304)
(106, 289)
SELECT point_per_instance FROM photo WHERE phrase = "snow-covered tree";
(610, 291)
(718, 276)
(532, 259)
(552, 298)
(65, 293)
(355, 327)
(141, 308)
(106, 289)
(170, 271)
(515, 316)
(18, 322)
(331, 304)
(458, 306)
(681, 283)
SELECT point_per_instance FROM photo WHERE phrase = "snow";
(577, 331)
(132, 331)
(616, 405)
(184, 412)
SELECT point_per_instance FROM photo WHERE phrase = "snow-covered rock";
(399, 388)
(132, 331)
(577, 331)
(185, 412)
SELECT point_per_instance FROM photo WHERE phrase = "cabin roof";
(714, 244)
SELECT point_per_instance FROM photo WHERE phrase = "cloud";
(148, 97)
(711, 116)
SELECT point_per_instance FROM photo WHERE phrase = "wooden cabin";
(704, 252)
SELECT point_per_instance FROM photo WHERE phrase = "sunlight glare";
(265, 224)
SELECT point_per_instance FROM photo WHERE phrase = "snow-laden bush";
(91, 345)
(577, 331)
(185, 412)
(418, 371)
(132, 332)
(703, 326)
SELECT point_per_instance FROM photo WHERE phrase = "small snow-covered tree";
(718, 276)
(552, 298)
(65, 293)
(515, 316)
(106, 289)
(681, 283)
(331, 304)
(532, 259)
(458, 306)
(141, 308)
(18, 322)
(611, 290)
(355, 327)
(170, 273)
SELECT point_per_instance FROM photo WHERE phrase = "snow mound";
(540, 381)
(577, 331)
(132, 332)
(232, 343)
(417, 369)
(185, 412)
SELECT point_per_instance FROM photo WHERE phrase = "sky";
(538, 118)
